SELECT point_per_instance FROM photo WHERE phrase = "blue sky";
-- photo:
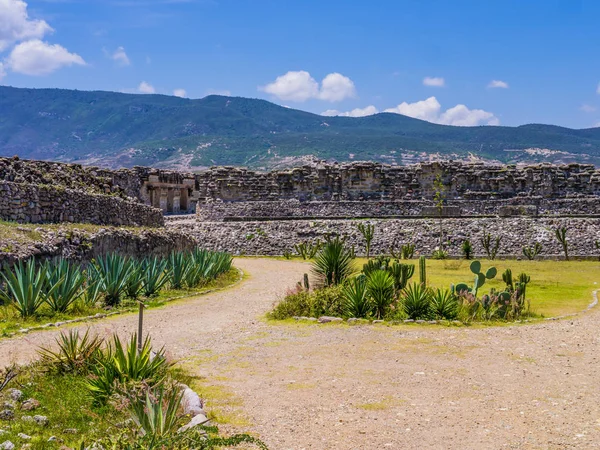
(460, 62)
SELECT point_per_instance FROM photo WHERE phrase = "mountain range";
(122, 130)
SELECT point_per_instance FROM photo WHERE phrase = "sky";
(456, 62)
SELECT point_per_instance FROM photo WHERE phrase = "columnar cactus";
(422, 271)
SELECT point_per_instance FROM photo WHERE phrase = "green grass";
(11, 321)
(556, 287)
(64, 400)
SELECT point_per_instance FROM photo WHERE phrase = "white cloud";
(434, 81)
(430, 110)
(498, 84)
(180, 93)
(598, 89)
(121, 57)
(356, 112)
(15, 24)
(336, 87)
(462, 116)
(2, 71)
(146, 88)
(300, 86)
(587, 108)
(40, 58)
(297, 86)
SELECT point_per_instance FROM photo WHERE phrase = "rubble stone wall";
(278, 237)
(348, 209)
(30, 203)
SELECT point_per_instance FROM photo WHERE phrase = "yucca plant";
(179, 264)
(356, 300)
(24, 287)
(75, 353)
(444, 304)
(113, 271)
(154, 276)
(157, 414)
(64, 283)
(333, 263)
(380, 288)
(416, 301)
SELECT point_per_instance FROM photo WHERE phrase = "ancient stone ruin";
(249, 212)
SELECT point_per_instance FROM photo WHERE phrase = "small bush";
(321, 302)
(416, 300)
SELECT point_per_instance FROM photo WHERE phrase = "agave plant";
(75, 353)
(64, 282)
(154, 276)
(178, 266)
(24, 286)
(444, 304)
(124, 363)
(356, 300)
(157, 415)
(113, 271)
(416, 301)
(333, 263)
(93, 287)
(135, 281)
(380, 288)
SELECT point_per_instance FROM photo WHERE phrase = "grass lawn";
(556, 287)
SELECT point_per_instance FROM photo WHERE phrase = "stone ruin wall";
(26, 203)
(247, 212)
(379, 190)
(42, 191)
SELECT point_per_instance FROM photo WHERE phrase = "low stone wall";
(29, 203)
(275, 238)
(281, 209)
(81, 245)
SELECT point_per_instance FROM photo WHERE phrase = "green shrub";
(327, 301)
(133, 288)
(467, 249)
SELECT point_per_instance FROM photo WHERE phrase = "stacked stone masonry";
(27, 203)
(379, 190)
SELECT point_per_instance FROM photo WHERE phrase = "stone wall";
(374, 181)
(348, 209)
(171, 191)
(29, 203)
(379, 190)
(83, 245)
(277, 237)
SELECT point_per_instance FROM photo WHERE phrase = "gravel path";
(309, 386)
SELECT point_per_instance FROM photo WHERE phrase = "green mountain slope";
(116, 129)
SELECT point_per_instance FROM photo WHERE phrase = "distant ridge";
(122, 130)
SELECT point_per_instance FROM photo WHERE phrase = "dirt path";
(308, 386)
